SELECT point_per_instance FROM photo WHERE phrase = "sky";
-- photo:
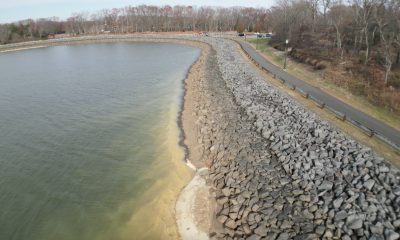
(14, 10)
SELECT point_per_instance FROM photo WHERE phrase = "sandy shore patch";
(193, 208)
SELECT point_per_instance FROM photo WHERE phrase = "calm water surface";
(89, 141)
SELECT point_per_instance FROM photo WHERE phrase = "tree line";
(142, 18)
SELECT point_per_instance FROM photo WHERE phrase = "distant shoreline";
(22, 48)
(95, 39)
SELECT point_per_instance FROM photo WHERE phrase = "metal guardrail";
(303, 93)
(340, 115)
(366, 130)
(319, 103)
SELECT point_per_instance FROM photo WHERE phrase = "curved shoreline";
(180, 39)
(194, 204)
(184, 104)
(183, 117)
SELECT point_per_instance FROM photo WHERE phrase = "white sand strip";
(192, 208)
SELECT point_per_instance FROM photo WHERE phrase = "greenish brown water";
(89, 141)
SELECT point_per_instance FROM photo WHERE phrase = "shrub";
(394, 80)
(320, 65)
(357, 87)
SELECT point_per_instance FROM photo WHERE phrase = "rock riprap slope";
(281, 172)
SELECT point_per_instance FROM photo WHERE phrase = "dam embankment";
(279, 171)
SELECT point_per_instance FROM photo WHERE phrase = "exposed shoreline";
(194, 205)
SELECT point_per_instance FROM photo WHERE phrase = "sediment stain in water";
(89, 141)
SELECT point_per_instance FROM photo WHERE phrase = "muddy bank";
(194, 205)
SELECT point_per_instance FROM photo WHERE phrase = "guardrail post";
(305, 95)
(321, 105)
(340, 116)
(369, 133)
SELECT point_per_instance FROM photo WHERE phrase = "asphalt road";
(366, 120)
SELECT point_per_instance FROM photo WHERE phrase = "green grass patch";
(260, 43)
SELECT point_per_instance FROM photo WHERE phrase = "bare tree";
(365, 11)
(339, 17)
(5, 33)
(385, 17)
(326, 4)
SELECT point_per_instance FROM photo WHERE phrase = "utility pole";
(286, 46)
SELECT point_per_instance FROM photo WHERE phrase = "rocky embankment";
(281, 172)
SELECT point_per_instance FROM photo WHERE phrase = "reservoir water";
(89, 141)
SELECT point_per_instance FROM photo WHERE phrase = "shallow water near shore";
(89, 141)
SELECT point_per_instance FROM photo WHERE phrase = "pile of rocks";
(279, 171)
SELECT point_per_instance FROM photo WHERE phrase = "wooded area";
(141, 18)
(356, 43)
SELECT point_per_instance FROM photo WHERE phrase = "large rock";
(391, 235)
(354, 221)
(337, 202)
(369, 184)
(261, 231)
(230, 223)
